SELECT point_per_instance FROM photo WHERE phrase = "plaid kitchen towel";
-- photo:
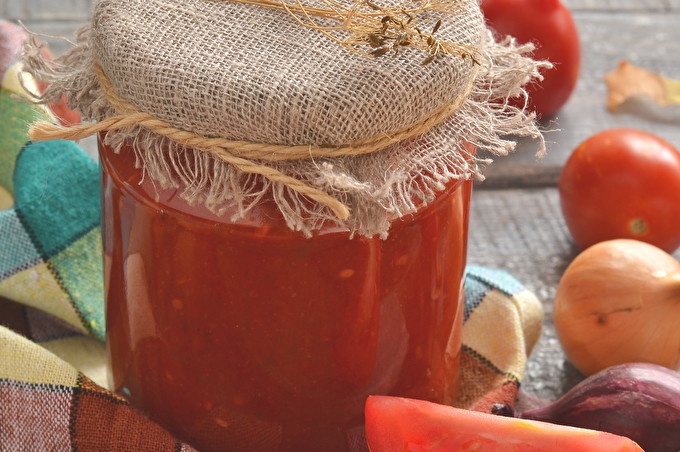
(53, 392)
(502, 323)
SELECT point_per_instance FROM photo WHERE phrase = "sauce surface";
(249, 336)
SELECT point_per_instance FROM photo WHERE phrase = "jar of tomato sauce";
(312, 250)
(246, 335)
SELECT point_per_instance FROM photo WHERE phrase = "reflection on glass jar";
(246, 335)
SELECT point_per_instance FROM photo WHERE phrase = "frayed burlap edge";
(485, 120)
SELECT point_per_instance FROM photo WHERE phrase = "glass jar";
(246, 335)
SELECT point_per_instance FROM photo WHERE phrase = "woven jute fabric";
(298, 112)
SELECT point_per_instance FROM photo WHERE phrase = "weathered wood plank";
(53, 18)
(621, 5)
(650, 40)
(79, 9)
(524, 233)
(57, 34)
(47, 10)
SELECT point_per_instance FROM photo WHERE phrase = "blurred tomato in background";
(550, 26)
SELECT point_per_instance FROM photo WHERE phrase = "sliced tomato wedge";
(395, 424)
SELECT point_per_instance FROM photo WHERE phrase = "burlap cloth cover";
(214, 94)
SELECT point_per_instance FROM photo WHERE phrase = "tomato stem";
(637, 226)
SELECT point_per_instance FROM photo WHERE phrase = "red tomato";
(622, 183)
(549, 25)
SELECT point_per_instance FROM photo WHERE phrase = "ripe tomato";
(622, 183)
(549, 25)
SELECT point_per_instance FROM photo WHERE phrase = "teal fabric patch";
(479, 281)
(58, 198)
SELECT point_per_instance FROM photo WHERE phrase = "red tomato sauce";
(248, 336)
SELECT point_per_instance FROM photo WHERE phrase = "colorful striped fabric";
(502, 323)
(52, 246)
(49, 405)
(53, 392)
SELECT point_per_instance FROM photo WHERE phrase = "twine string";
(243, 155)
(376, 30)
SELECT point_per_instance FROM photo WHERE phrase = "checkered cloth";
(53, 392)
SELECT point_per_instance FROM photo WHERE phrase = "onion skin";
(638, 400)
(619, 302)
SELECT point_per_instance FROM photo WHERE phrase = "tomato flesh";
(395, 424)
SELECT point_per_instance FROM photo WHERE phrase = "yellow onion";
(619, 302)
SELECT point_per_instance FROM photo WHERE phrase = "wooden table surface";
(516, 223)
